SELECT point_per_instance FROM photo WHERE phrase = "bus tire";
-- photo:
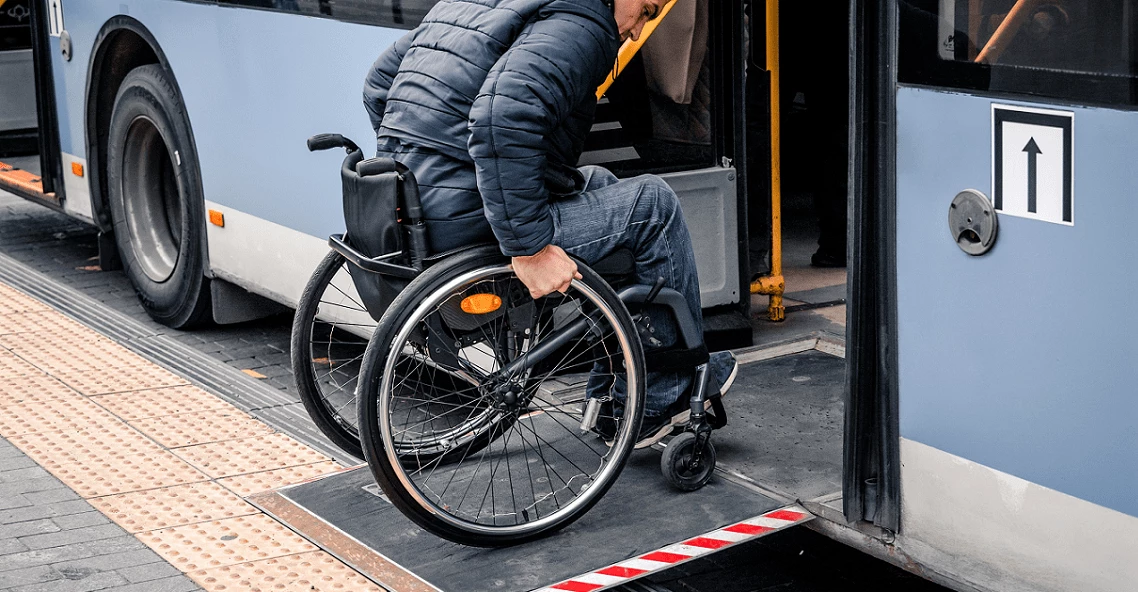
(156, 199)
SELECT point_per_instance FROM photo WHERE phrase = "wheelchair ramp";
(640, 527)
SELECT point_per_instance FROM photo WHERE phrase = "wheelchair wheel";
(473, 401)
(330, 333)
(682, 467)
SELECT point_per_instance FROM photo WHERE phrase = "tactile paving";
(305, 572)
(248, 484)
(224, 542)
(13, 301)
(47, 322)
(76, 354)
(136, 472)
(66, 413)
(175, 431)
(249, 455)
(12, 366)
(31, 388)
(93, 444)
(160, 401)
(117, 380)
(172, 506)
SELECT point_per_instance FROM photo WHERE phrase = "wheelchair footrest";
(718, 416)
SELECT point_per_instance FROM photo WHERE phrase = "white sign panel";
(55, 17)
(1033, 163)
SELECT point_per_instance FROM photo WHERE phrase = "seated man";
(488, 99)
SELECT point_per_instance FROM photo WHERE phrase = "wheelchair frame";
(688, 461)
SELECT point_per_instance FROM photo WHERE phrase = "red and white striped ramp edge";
(673, 555)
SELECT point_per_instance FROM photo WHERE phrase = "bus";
(982, 433)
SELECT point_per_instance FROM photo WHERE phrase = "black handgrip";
(326, 141)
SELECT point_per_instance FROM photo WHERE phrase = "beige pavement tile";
(93, 444)
(306, 572)
(12, 366)
(13, 301)
(175, 431)
(249, 455)
(248, 484)
(71, 413)
(224, 542)
(124, 474)
(118, 380)
(161, 401)
(31, 388)
(77, 354)
(172, 506)
(47, 322)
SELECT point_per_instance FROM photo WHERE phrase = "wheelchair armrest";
(380, 265)
(690, 336)
(378, 166)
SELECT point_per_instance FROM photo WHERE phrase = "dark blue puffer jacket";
(480, 100)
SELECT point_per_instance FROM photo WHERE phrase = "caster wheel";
(680, 467)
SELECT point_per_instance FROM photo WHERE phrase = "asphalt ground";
(65, 251)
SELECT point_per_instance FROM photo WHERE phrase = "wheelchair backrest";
(374, 212)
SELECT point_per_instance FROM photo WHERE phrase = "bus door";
(783, 439)
(1006, 169)
(29, 98)
(17, 93)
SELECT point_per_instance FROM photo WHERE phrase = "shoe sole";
(683, 417)
(659, 435)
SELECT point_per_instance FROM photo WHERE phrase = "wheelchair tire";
(678, 466)
(421, 333)
(330, 332)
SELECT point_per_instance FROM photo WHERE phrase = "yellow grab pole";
(774, 284)
(1007, 30)
(629, 48)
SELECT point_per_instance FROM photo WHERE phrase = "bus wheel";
(156, 199)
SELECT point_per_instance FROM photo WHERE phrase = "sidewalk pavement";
(116, 474)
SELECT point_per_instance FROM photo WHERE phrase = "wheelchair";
(466, 396)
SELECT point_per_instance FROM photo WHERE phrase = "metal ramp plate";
(640, 526)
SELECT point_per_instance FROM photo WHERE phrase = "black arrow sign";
(1032, 150)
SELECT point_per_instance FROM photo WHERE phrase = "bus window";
(405, 14)
(1081, 51)
(15, 25)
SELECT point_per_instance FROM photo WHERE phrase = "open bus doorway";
(811, 183)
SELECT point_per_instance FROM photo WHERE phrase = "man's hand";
(545, 271)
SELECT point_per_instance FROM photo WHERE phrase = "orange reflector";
(77, 169)
(217, 218)
(481, 303)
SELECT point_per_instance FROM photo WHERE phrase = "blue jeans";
(642, 215)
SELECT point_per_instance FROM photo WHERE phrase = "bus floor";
(814, 297)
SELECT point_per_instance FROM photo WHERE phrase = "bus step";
(24, 184)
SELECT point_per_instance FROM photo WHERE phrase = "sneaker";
(723, 367)
(652, 428)
(606, 422)
(656, 428)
